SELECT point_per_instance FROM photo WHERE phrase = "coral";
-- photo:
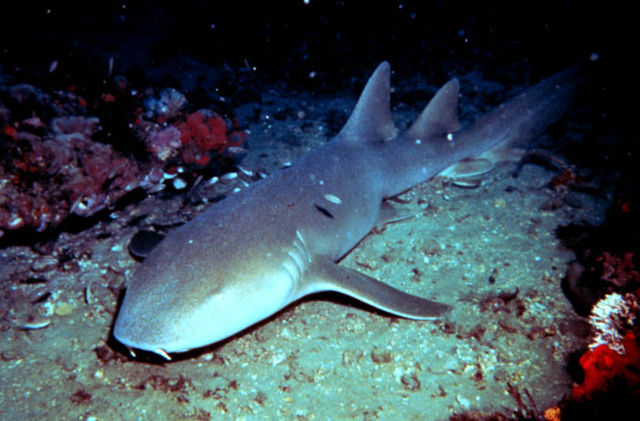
(163, 144)
(204, 132)
(67, 128)
(193, 140)
(62, 172)
(168, 105)
(205, 129)
(619, 271)
(603, 366)
(611, 318)
(614, 354)
(24, 93)
(56, 160)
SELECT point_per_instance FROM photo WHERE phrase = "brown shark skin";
(259, 250)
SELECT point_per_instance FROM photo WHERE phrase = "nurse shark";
(255, 252)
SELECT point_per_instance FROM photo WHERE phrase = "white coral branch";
(611, 318)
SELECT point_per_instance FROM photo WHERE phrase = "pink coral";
(54, 166)
(62, 172)
(163, 144)
(74, 127)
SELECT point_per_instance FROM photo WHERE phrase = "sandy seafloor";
(490, 252)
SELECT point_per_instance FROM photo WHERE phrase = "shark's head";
(172, 319)
(175, 307)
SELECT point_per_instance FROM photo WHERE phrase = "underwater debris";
(35, 324)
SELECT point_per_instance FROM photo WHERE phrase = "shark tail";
(523, 118)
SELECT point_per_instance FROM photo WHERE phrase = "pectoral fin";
(325, 275)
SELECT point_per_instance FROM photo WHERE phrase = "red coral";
(602, 366)
(203, 132)
(11, 131)
(206, 129)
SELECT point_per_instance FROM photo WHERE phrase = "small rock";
(464, 402)
(64, 309)
(44, 263)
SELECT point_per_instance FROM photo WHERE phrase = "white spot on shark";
(333, 199)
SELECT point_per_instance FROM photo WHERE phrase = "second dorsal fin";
(441, 114)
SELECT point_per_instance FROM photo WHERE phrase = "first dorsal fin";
(441, 114)
(371, 118)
